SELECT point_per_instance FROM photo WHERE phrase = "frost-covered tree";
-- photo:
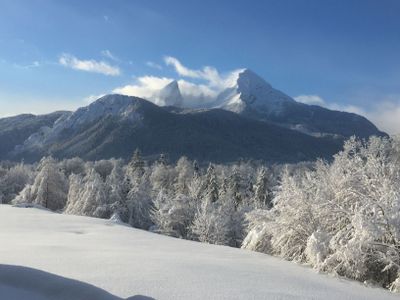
(262, 192)
(14, 180)
(76, 187)
(184, 174)
(49, 189)
(117, 189)
(88, 196)
(196, 169)
(173, 215)
(212, 224)
(162, 177)
(162, 160)
(195, 188)
(74, 165)
(139, 202)
(342, 217)
(136, 165)
(235, 187)
(104, 167)
(211, 186)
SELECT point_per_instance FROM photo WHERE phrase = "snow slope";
(72, 257)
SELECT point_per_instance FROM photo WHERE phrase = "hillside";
(45, 255)
(115, 125)
(14, 131)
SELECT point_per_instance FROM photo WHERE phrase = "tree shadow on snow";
(22, 283)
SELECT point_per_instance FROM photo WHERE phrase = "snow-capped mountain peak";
(171, 95)
(248, 80)
(251, 91)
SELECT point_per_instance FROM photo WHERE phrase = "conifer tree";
(136, 164)
(262, 193)
(211, 185)
(235, 186)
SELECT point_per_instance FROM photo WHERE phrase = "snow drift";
(91, 258)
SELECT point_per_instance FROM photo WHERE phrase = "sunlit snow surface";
(71, 257)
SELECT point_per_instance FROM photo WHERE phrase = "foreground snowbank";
(91, 258)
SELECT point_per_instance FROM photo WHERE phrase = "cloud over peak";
(310, 100)
(91, 65)
(144, 87)
(209, 74)
(196, 86)
(384, 114)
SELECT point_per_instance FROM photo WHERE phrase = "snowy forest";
(340, 216)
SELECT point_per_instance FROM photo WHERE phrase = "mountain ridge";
(249, 119)
(251, 96)
(206, 135)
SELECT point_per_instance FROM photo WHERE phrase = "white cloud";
(108, 54)
(347, 108)
(144, 87)
(310, 99)
(181, 69)
(94, 66)
(153, 65)
(196, 94)
(317, 100)
(210, 74)
(209, 83)
(384, 114)
(147, 87)
(34, 64)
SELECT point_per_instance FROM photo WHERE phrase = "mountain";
(251, 92)
(14, 131)
(115, 125)
(170, 95)
(249, 119)
(253, 97)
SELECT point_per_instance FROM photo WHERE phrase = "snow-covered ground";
(44, 255)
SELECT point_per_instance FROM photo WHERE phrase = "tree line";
(341, 217)
(184, 200)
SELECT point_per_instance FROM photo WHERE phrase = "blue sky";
(340, 54)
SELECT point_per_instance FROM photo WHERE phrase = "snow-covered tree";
(235, 186)
(14, 180)
(88, 196)
(184, 174)
(212, 224)
(139, 202)
(196, 169)
(117, 189)
(173, 215)
(136, 165)
(262, 192)
(162, 177)
(342, 217)
(49, 189)
(104, 167)
(211, 186)
(74, 165)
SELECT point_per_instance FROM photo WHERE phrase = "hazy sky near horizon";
(342, 54)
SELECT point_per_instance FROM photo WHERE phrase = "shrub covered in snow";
(342, 217)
